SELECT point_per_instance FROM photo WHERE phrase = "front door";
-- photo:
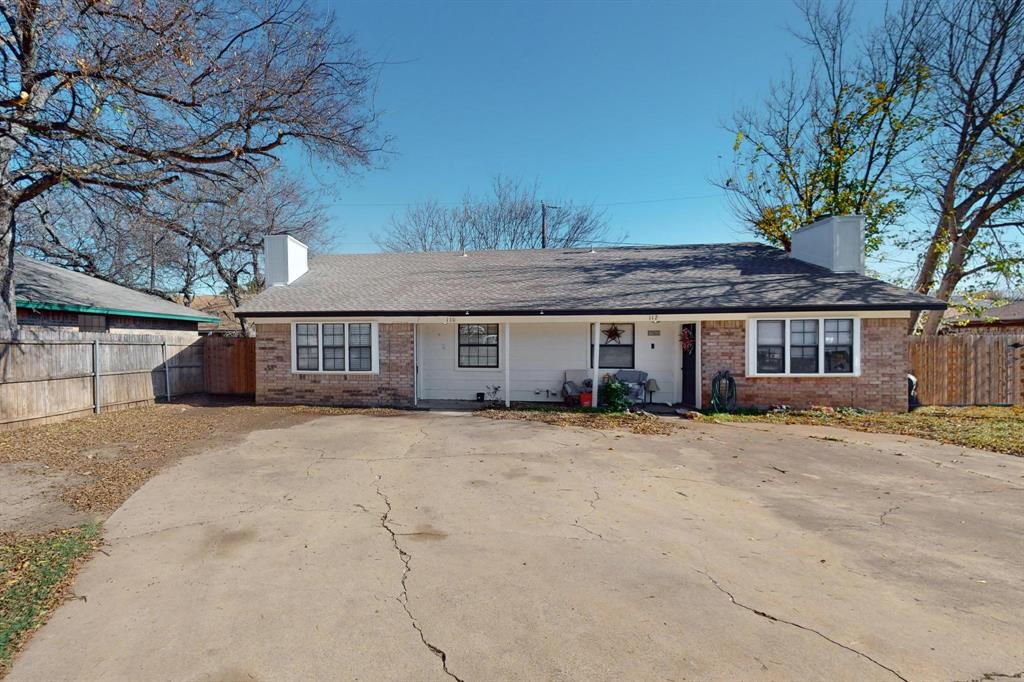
(688, 343)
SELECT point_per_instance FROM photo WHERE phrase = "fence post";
(167, 370)
(96, 375)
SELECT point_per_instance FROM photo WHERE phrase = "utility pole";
(544, 224)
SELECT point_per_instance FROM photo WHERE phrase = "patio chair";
(575, 382)
(636, 381)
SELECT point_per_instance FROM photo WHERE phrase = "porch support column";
(595, 359)
(508, 365)
(416, 364)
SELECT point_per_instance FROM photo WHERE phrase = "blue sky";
(603, 102)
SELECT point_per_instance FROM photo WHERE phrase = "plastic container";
(586, 399)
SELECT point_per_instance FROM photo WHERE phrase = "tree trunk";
(929, 266)
(8, 311)
(950, 278)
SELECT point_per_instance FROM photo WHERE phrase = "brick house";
(801, 328)
(48, 297)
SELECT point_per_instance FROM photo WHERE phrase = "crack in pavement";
(985, 677)
(403, 598)
(881, 517)
(593, 507)
(796, 625)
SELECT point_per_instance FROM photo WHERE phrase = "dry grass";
(36, 572)
(638, 422)
(1000, 429)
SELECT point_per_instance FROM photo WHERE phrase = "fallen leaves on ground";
(1000, 429)
(114, 453)
(36, 572)
(636, 422)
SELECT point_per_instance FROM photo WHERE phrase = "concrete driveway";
(442, 546)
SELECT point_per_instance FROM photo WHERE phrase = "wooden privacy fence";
(969, 369)
(229, 363)
(63, 375)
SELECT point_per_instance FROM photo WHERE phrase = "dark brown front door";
(688, 342)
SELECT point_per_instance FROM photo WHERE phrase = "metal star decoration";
(613, 334)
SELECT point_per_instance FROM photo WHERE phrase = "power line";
(602, 205)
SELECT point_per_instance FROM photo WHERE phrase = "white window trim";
(374, 348)
(501, 352)
(752, 347)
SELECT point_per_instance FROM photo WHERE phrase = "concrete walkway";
(441, 546)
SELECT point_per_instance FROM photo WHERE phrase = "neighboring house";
(1005, 318)
(221, 307)
(51, 297)
(800, 329)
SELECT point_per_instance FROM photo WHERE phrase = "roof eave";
(838, 307)
(96, 310)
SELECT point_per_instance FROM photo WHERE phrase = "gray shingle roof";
(38, 284)
(691, 278)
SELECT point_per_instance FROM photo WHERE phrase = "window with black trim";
(360, 347)
(838, 346)
(771, 346)
(803, 346)
(478, 345)
(307, 349)
(616, 346)
(334, 347)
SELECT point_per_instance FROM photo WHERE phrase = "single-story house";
(53, 298)
(801, 328)
(219, 306)
(1005, 317)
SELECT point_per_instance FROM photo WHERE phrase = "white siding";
(541, 352)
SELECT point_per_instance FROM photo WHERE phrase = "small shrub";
(615, 395)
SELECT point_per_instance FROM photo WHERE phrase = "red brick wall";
(882, 384)
(275, 382)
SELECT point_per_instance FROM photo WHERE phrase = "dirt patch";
(32, 498)
(64, 474)
(635, 422)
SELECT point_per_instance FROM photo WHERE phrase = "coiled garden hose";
(723, 401)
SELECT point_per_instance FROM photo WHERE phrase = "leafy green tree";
(828, 141)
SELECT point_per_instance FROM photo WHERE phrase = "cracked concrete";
(440, 547)
(775, 619)
(403, 597)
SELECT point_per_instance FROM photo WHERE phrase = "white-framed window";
(335, 347)
(803, 346)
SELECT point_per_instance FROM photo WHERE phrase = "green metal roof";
(42, 286)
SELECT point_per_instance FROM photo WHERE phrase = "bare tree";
(972, 167)
(191, 236)
(510, 218)
(829, 140)
(123, 98)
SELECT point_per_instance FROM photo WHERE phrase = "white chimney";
(835, 242)
(285, 258)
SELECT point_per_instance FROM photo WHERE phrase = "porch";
(527, 362)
